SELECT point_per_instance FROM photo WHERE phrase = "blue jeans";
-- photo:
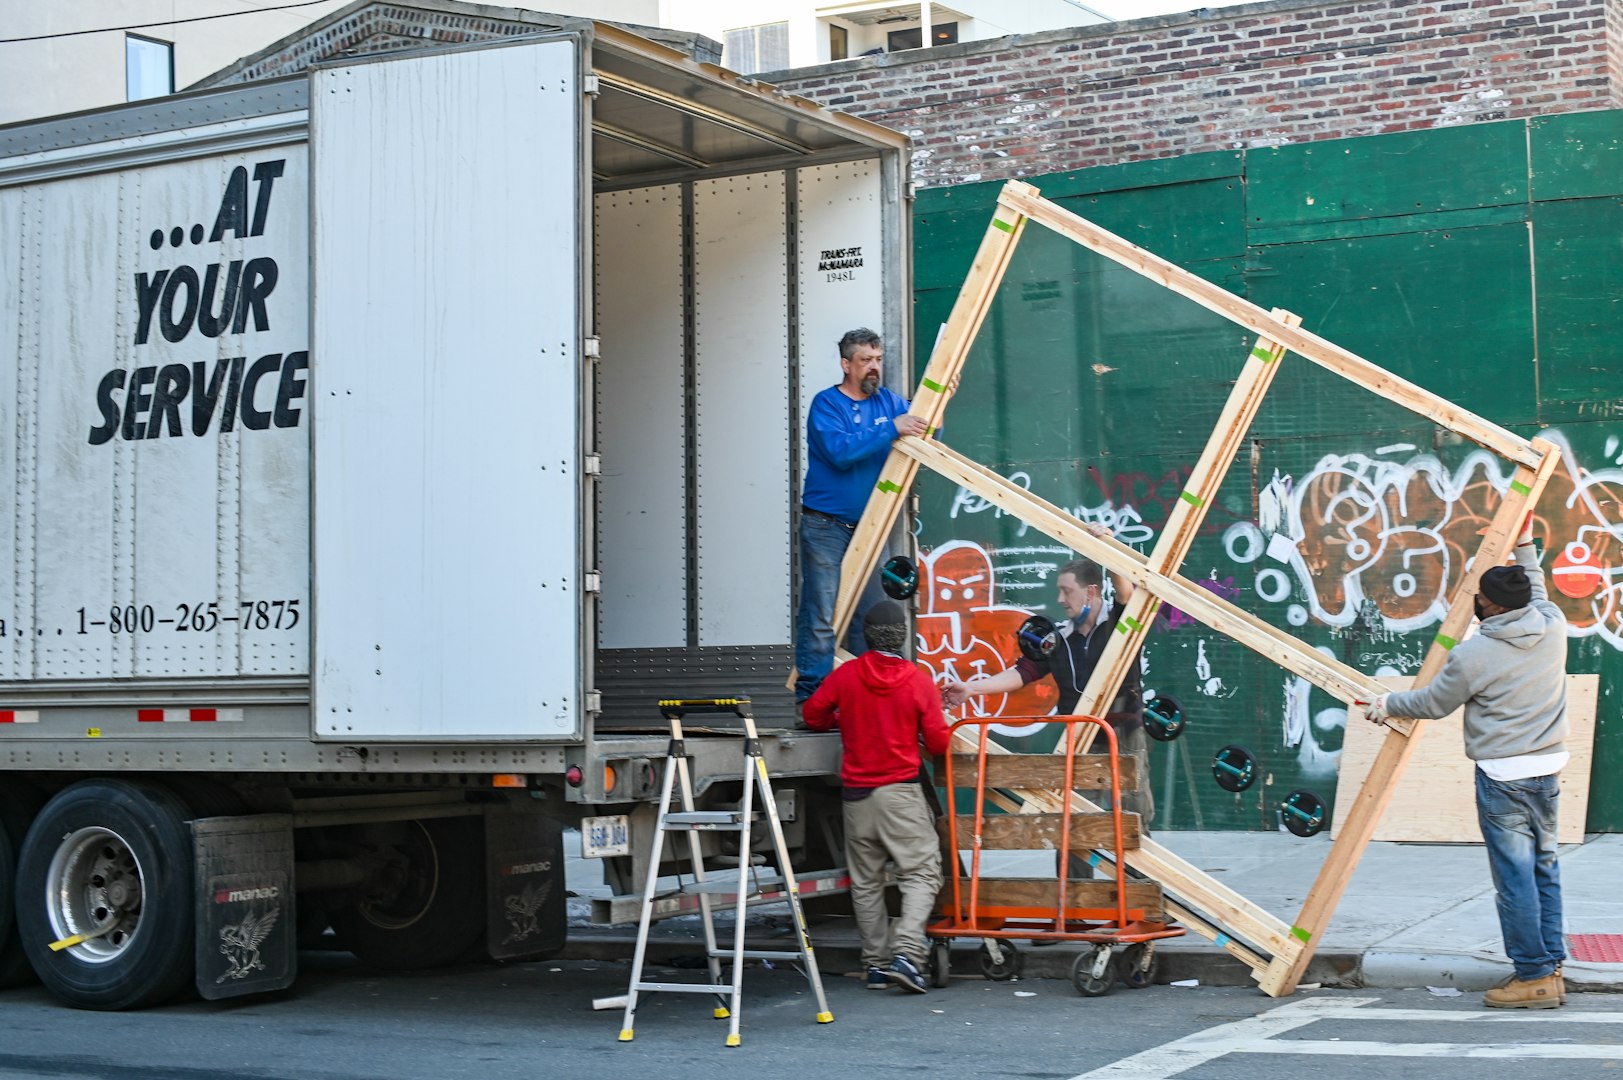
(822, 548)
(1518, 823)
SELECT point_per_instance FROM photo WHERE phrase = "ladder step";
(756, 954)
(729, 884)
(705, 817)
(685, 988)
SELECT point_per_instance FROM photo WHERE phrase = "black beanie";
(885, 626)
(1506, 586)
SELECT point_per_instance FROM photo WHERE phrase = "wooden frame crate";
(1277, 952)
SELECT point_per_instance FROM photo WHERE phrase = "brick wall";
(1614, 52)
(1262, 74)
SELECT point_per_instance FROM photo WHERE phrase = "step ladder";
(729, 995)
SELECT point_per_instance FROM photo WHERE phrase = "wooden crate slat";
(1041, 832)
(1039, 895)
(1045, 772)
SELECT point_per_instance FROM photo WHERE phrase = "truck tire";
(430, 910)
(110, 858)
(18, 805)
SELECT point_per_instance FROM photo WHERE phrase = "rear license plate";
(604, 836)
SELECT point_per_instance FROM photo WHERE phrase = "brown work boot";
(1560, 984)
(1517, 993)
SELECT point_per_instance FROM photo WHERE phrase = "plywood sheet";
(1436, 797)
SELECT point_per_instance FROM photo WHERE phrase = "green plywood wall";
(1483, 263)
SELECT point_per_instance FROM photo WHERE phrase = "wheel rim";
(96, 886)
(414, 884)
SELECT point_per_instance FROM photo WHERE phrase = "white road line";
(1344, 1048)
(1256, 1035)
(1481, 1016)
(1180, 1055)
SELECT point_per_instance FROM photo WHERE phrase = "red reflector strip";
(194, 716)
(12, 716)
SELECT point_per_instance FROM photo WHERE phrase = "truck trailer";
(385, 442)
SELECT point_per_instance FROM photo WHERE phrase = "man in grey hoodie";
(1511, 679)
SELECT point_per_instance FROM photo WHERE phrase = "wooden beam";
(1092, 771)
(1332, 676)
(929, 402)
(1325, 353)
(1182, 525)
(1040, 832)
(1039, 895)
(1356, 828)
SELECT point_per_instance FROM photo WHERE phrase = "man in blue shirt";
(848, 434)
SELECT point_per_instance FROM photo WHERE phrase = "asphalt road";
(342, 1022)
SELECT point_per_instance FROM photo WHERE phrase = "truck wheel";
(110, 860)
(18, 805)
(426, 906)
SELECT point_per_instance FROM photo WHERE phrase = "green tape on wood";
(1300, 935)
(1265, 355)
(1445, 641)
(1004, 225)
(1520, 488)
(1129, 622)
(930, 384)
(888, 487)
(1191, 498)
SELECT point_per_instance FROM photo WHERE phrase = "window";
(149, 68)
(839, 42)
(751, 49)
(913, 37)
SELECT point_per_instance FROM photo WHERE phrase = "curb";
(1209, 965)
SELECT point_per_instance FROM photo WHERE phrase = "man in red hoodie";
(884, 706)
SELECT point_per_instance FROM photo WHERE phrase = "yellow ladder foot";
(733, 1040)
(721, 1012)
(825, 1018)
(625, 1035)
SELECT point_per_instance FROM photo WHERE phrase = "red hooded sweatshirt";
(882, 705)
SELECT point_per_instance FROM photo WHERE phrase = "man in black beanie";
(1511, 679)
(884, 706)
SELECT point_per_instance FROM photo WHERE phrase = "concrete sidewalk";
(1413, 915)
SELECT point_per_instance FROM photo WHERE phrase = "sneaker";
(906, 974)
(877, 979)
(1542, 993)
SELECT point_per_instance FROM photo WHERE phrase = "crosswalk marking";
(1258, 1035)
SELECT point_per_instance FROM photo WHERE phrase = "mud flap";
(527, 913)
(243, 875)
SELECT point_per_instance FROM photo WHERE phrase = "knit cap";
(884, 627)
(1506, 586)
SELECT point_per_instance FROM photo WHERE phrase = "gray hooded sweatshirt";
(1511, 677)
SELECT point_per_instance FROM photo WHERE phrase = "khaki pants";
(893, 823)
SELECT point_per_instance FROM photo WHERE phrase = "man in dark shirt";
(1083, 637)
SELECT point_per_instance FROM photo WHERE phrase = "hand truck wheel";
(1001, 970)
(940, 963)
(1093, 973)
(1139, 964)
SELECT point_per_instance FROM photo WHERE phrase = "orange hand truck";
(1000, 911)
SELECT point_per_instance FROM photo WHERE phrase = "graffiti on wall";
(1367, 545)
(1372, 543)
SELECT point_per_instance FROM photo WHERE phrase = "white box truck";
(380, 444)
